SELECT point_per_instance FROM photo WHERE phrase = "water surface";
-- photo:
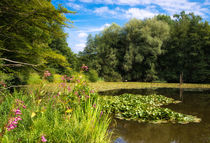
(193, 101)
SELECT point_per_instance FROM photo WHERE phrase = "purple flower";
(44, 139)
(101, 113)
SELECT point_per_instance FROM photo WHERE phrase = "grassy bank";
(103, 86)
(71, 115)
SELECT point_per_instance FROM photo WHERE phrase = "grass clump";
(144, 109)
(73, 116)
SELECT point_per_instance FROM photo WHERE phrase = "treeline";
(32, 40)
(156, 49)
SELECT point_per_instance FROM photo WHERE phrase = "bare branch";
(16, 62)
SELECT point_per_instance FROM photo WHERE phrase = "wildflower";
(101, 113)
(76, 93)
(69, 88)
(84, 67)
(2, 83)
(58, 94)
(92, 91)
(87, 96)
(47, 73)
(17, 112)
(24, 106)
(63, 85)
(63, 78)
(94, 105)
(44, 139)
(18, 118)
(11, 127)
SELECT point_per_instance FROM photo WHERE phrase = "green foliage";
(153, 49)
(57, 78)
(185, 51)
(27, 29)
(34, 78)
(92, 75)
(144, 109)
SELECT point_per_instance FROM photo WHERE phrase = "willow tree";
(145, 40)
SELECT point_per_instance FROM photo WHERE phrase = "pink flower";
(47, 73)
(84, 67)
(24, 106)
(58, 94)
(11, 127)
(69, 88)
(18, 118)
(63, 78)
(76, 93)
(17, 112)
(44, 139)
(94, 105)
(92, 91)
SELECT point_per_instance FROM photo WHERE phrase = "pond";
(193, 102)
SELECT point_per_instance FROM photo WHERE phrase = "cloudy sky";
(94, 15)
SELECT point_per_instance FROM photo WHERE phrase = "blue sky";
(94, 15)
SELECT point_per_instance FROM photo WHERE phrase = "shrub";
(92, 75)
(34, 78)
(57, 78)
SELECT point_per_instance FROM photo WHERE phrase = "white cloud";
(104, 10)
(97, 29)
(74, 6)
(207, 2)
(79, 47)
(87, 1)
(82, 35)
(170, 6)
(127, 14)
(139, 13)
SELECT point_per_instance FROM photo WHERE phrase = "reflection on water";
(194, 102)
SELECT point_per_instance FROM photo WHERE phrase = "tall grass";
(71, 116)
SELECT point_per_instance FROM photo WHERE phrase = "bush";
(34, 78)
(57, 78)
(92, 75)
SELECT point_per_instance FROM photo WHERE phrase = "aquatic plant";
(144, 109)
